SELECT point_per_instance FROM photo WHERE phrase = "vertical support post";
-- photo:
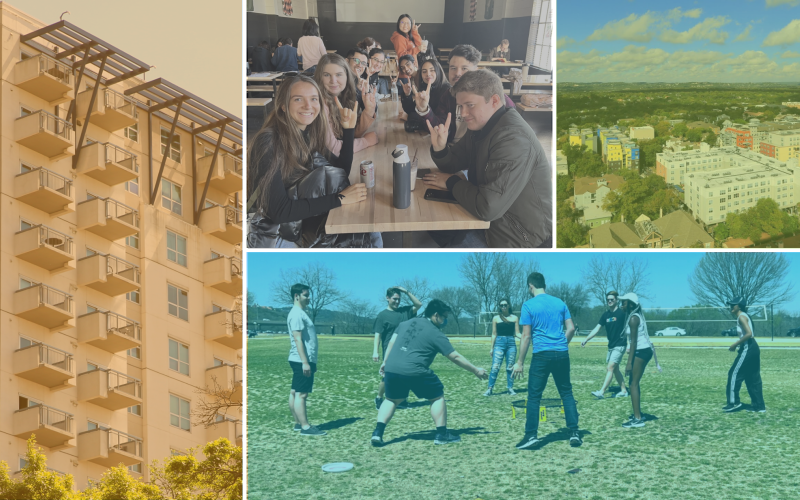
(166, 152)
(150, 152)
(208, 177)
(194, 175)
(95, 90)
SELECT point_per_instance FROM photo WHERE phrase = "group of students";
(410, 344)
(488, 157)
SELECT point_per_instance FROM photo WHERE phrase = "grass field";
(691, 451)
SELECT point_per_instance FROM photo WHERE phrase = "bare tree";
(622, 274)
(251, 298)
(321, 281)
(478, 270)
(419, 287)
(575, 296)
(359, 315)
(460, 299)
(216, 400)
(761, 278)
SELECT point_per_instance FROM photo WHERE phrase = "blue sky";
(712, 40)
(366, 275)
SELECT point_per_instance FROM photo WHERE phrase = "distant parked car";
(671, 331)
(794, 332)
(730, 332)
(251, 334)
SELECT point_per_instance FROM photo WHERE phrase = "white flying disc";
(337, 467)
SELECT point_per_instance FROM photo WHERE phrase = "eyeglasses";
(358, 62)
(379, 61)
(503, 305)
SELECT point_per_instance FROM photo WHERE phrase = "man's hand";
(382, 370)
(401, 289)
(306, 370)
(517, 372)
(407, 87)
(421, 98)
(371, 138)
(348, 117)
(363, 87)
(481, 373)
(732, 348)
(583, 344)
(369, 103)
(439, 134)
(438, 180)
(375, 357)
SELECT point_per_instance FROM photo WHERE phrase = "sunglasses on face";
(611, 300)
(503, 305)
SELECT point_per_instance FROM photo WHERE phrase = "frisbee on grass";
(337, 467)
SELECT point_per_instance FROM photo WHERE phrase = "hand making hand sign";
(422, 99)
(370, 103)
(348, 117)
(439, 134)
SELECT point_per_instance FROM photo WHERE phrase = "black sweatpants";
(746, 368)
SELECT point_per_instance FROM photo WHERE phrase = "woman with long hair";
(406, 38)
(505, 330)
(281, 153)
(747, 365)
(337, 81)
(310, 46)
(429, 85)
(641, 352)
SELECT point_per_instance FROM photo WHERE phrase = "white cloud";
(694, 13)
(744, 36)
(775, 3)
(633, 28)
(790, 54)
(564, 42)
(708, 29)
(789, 34)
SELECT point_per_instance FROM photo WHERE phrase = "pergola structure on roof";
(107, 65)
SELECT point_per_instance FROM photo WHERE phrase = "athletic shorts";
(301, 383)
(615, 355)
(646, 354)
(426, 386)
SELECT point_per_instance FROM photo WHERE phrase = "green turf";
(693, 450)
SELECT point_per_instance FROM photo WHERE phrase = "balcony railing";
(237, 320)
(52, 356)
(120, 102)
(121, 441)
(233, 215)
(53, 124)
(53, 297)
(232, 163)
(124, 383)
(52, 238)
(54, 181)
(56, 69)
(125, 326)
(236, 267)
(115, 154)
(118, 210)
(53, 417)
(123, 268)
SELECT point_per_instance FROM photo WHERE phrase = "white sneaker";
(488, 392)
(598, 394)
(622, 394)
(511, 392)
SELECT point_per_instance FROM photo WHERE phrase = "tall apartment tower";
(121, 254)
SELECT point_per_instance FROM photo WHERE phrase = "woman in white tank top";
(747, 365)
(641, 351)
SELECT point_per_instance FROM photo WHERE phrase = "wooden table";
(530, 83)
(263, 77)
(258, 101)
(499, 64)
(531, 109)
(330, 51)
(377, 213)
(259, 88)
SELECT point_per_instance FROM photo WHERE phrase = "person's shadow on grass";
(431, 435)
(562, 434)
(338, 424)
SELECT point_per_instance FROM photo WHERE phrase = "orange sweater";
(403, 45)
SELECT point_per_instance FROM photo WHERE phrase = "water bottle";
(394, 92)
(401, 177)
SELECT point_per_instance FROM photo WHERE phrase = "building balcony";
(45, 365)
(108, 163)
(224, 274)
(227, 173)
(46, 190)
(46, 248)
(45, 78)
(109, 331)
(225, 427)
(108, 218)
(53, 428)
(225, 327)
(108, 274)
(224, 222)
(111, 110)
(110, 389)
(46, 134)
(226, 378)
(45, 306)
(109, 447)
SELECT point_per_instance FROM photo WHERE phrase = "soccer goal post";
(702, 321)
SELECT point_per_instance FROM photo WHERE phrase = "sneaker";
(511, 392)
(731, 407)
(376, 441)
(622, 394)
(312, 431)
(446, 438)
(575, 439)
(378, 403)
(297, 427)
(634, 422)
(598, 394)
(528, 441)
(757, 410)
(488, 392)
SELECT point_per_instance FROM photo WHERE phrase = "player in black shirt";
(387, 322)
(614, 322)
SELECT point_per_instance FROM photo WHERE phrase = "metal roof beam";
(125, 76)
(142, 87)
(212, 126)
(42, 31)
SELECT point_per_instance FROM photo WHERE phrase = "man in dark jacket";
(510, 181)
(261, 58)
(285, 57)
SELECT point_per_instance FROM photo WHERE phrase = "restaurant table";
(496, 64)
(258, 101)
(263, 77)
(377, 212)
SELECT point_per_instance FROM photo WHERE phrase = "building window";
(171, 196)
(174, 148)
(176, 248)
(136, 352)
(25, 111)
(132, 186)
(137, 468)
(218, 362)
(25, 283)
(179, 413)
(178, 357)
(26, 402)
(134, 297)
(132, 133)
(178, 301)
(132, 241)
(135, 410)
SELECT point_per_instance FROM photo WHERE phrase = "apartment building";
(674, 165)
(590, 195)
(712, 195)
(121, 254)
(781, 145)
(646, 132)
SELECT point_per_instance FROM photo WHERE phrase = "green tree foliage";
(218, 477)
(571, 234)
(694, 135)
(710, 139)
(648, 151)
(639, 196)
(662, 129)
(117, 484)
(680, 129)
(765, 217)
(582, 162)
(37, 483)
